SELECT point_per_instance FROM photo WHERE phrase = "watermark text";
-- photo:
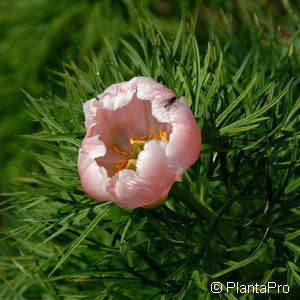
(255, 288)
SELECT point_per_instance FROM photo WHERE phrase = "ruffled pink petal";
(151, 181)
(89, 109)
(92, 145)
(131, 191)
(93, 178)
(185, 140)
(117, 95)
(152, 164)
(148, 89)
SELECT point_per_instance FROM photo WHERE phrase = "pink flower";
(139, 140)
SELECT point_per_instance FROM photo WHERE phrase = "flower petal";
(117, 95)
(93, 178)
(130, 191)
(149, 89)
(90, 109)
(185, 140)
(91, 144)
(152, 164)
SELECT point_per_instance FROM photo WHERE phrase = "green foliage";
(235, 215)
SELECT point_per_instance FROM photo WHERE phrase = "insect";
(170, 102)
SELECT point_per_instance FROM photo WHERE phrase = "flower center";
(138, 143)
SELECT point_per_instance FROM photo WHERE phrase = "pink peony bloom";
(139, 140)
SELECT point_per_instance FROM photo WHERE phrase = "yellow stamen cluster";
(129, 161)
